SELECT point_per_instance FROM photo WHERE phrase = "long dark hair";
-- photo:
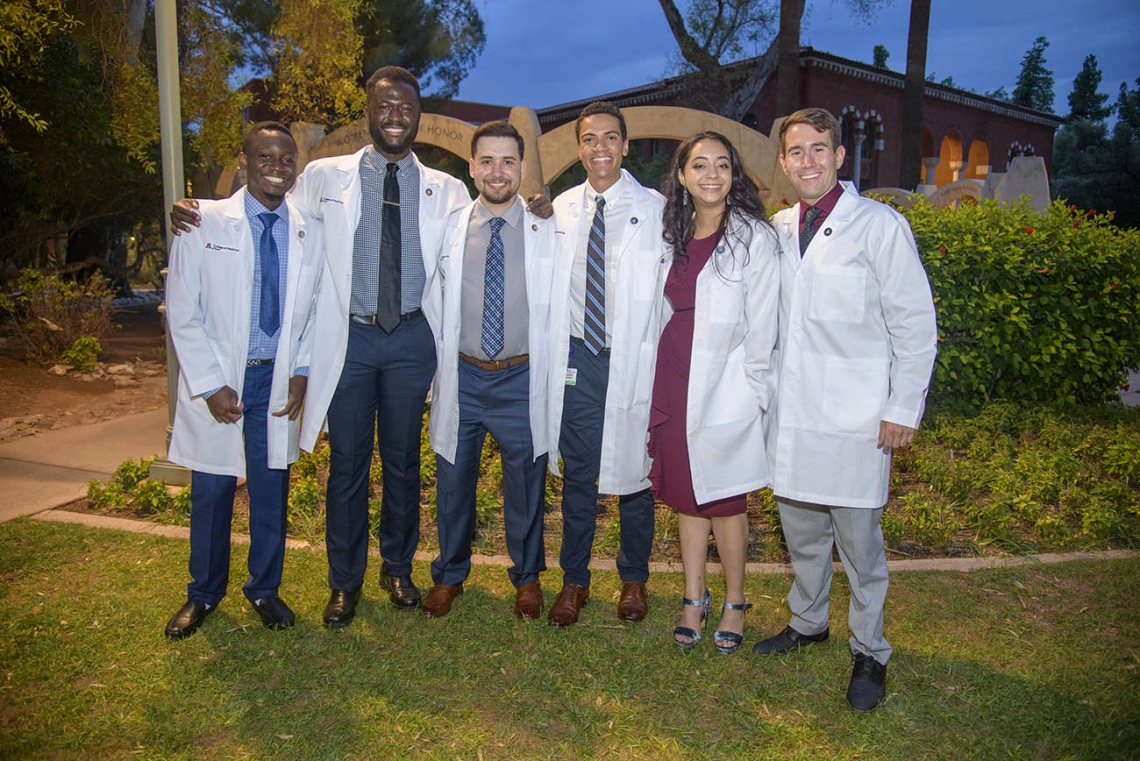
(742, 206)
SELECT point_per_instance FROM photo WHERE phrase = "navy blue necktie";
(494, 285)
(270, 271)
(811, 216)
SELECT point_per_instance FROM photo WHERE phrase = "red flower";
(1044, 270)
(1073, 207)
(941, 340)
(1124, 388)
(942, 249)
(1113, 286)
(1092, 212)
(1029, 230)
(1076, 225)
(784, 202)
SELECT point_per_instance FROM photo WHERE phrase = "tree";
(26, 29)
(914, 88)
(881, 55)
(719, 32)
(1085, 101)
(1035, 82)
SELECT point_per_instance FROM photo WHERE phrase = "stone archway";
(950, 164)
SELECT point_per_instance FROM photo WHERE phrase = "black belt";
(370, 319)
(496, 364)
(258, 362)
(581, 344)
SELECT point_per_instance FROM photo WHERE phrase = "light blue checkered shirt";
(262, 346)
(366, 242)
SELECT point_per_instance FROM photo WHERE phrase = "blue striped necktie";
(270, 307)
(594, 319)
(494, 284)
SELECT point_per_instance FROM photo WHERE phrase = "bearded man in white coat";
(606, 297)
(493, 283)
(857, 345)
(240, 310)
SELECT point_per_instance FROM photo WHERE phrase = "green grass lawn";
(1035, 663)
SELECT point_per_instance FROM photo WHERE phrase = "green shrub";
(110, 495)
(83, 354)
(304, 513)
(131, 472)
(50, 314)
(151, 497)
(1030, 307)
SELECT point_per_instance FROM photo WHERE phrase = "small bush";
(51, 314)
(83, 354)
(105, 496)
(1031, 307)
(131, 472)
(151, 497)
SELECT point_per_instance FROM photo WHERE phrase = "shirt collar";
(619, 189)
(373, 159)
(254, 208)
(826, 204)
(513, 215)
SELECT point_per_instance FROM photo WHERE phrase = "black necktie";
(806, 234)
(388, 293)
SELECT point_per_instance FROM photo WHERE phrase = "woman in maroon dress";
(715, 377)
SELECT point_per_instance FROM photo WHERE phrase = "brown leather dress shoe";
(439, 599)
(528, 601)
(632, 605)
(570, 600)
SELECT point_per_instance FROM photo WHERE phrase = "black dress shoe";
(187, 620)
(868, 686)
(402, 591)
(274, 613)
(787, 641)
(341, 608)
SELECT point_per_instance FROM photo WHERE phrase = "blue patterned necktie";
(270, 312)
(594, 320)
(494, 285)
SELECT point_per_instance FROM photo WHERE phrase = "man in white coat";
(240, 310)
(605, 300)
(493, 283)
(857, 346)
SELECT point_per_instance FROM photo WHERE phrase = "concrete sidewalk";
(50, 469)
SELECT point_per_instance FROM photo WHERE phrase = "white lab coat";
(208, 291)
(857, 345)
(732, 378)
(446, 287)
(330, 190)
(638, 259)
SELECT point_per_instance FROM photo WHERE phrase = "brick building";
(965, 135)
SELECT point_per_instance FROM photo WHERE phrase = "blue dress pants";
(495, 402)
(379, 400)
(212, 507)
(583, 413)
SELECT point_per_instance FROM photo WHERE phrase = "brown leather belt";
(499, 364)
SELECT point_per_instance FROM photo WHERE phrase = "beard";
(390, 145)
(498, 196)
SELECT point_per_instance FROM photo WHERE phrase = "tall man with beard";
(493, 286)
(374, 357)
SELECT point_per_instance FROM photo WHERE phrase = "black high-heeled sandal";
(684, 631)
(732, 637)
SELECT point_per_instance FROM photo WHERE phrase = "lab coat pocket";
(838, 293)
(731, 399)
(854, 391)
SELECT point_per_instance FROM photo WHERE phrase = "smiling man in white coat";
(857, 345)
(605, 299)
(240, 310)
(493, 282)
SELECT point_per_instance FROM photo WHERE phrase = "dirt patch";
(132, 378)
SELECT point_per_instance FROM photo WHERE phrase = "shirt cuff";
(211, 392)
(302, 371)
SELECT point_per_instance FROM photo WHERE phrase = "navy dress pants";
(212, 508)
(495, 402)
(379, 400)
(583, 413)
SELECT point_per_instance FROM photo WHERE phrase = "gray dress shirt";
(516, 312)
(366, 242)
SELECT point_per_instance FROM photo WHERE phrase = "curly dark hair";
(743, 205)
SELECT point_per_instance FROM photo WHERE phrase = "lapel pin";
(633, 220)
(720, 249)
(428, 191)
(534, 227)
(826, 231)
(300, 233)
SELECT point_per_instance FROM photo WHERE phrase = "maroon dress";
(670, 475)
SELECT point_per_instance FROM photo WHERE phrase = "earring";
(685, 197)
